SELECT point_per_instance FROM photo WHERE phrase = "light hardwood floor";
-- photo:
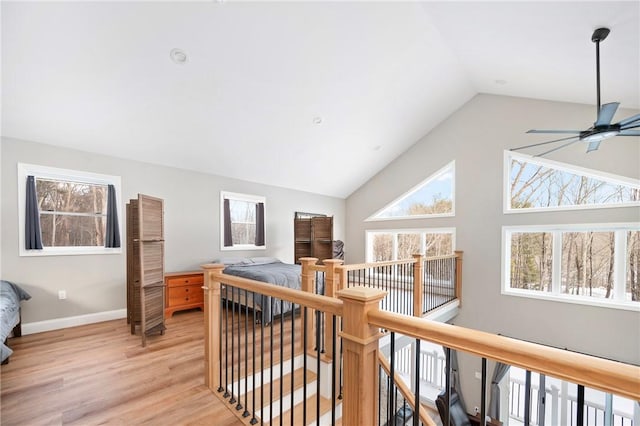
(100, 374)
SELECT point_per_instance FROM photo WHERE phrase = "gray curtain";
(228, 237)
(112, 237)
(32, 232)
(456, 377)
(494, 403)
(259, 224)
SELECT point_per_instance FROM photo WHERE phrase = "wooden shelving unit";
(313, 236)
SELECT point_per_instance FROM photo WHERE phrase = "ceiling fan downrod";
(598, 35)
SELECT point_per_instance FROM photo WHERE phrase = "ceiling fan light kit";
(602, 129)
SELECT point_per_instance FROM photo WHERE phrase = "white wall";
(96, 283)
(476, 137)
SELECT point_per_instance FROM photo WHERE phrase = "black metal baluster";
(392, 368)
(270, 318)
(246, 354)
(379, 396)
(333, 370)
(253, 360)
(319, 320)
(447, 355)
(483, 395)
(293, 356)
(239, 334)
(304, 365)
(262, 299)
(233, 344)
(281, 358)
(416, 418)
(226, 343)
(580, 406)
(220, 388)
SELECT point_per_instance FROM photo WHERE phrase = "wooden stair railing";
(362, 320)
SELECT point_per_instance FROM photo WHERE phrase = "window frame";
(452, 166)
(620, 270)
(370, 232)
(246, 198)
(569, 168)
(54, 173)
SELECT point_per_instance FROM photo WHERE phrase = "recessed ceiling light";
(317, 120)
(501, 82)
(178, 56)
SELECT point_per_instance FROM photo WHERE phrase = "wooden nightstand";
(184, 291)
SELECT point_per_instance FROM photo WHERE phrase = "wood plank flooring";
(100, 374)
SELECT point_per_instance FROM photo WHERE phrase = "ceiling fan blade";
(593, 146)
(629, 132)
(606, 113)
(572, 132)
(575, 139)
(543, 143)
(629, 120)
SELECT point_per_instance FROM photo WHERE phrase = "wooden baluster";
(360, 340)
(212, 305)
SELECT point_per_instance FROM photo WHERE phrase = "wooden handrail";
(406, 392)
(370, 265)
(314, 301)
(605, 375)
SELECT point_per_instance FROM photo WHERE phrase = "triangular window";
(534, 183)
(432, 197)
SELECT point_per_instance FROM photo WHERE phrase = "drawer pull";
(186, 289)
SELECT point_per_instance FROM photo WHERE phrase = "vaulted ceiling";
(313, 96)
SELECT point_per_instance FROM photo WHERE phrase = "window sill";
(579, 300)
(239, 247)
(70, 251)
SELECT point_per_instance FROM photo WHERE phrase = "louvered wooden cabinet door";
(151, 255)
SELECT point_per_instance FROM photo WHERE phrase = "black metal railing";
(395, 279)
(438, 282)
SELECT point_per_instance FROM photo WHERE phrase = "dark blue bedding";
(273, 271)
(10, 297)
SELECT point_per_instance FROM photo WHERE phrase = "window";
(386, 245)
(72, 210)
(432, 197)
(595, 264)
(242, 226)
(533, 184)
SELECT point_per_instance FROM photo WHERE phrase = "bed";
(10, 297)
(269, 270)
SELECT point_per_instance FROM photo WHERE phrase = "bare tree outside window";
(531, 260)
(538, 186)
(633, 266)
(72, 214)
(382, 247)
(587, 263)
(243, 221)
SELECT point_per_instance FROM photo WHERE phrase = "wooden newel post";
(458, 254)
(418, 275)
(330, 288)
(212, 307)
(308, 278)
(360, 355)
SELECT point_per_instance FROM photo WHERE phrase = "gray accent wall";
(476, 137)
(96, 283)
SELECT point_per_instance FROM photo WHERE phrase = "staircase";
(277, 389)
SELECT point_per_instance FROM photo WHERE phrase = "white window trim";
(433, 176)
(620, 261)
(45, 172)
(240, 197)
(596, 174)
(370, 232)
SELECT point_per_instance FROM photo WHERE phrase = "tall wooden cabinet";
(145, 265)
(313, 236)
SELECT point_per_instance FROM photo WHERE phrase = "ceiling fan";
(603, 128)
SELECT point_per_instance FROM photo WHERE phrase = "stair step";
(273, 403)
(325, 407)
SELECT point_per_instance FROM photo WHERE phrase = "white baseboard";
(58, 323)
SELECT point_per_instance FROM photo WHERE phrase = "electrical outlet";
(476, 410)
(478, 375)
(62, 294)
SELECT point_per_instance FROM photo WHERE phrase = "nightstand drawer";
(185, 295)
(185, 280)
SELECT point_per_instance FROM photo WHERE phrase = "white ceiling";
(98, 77)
